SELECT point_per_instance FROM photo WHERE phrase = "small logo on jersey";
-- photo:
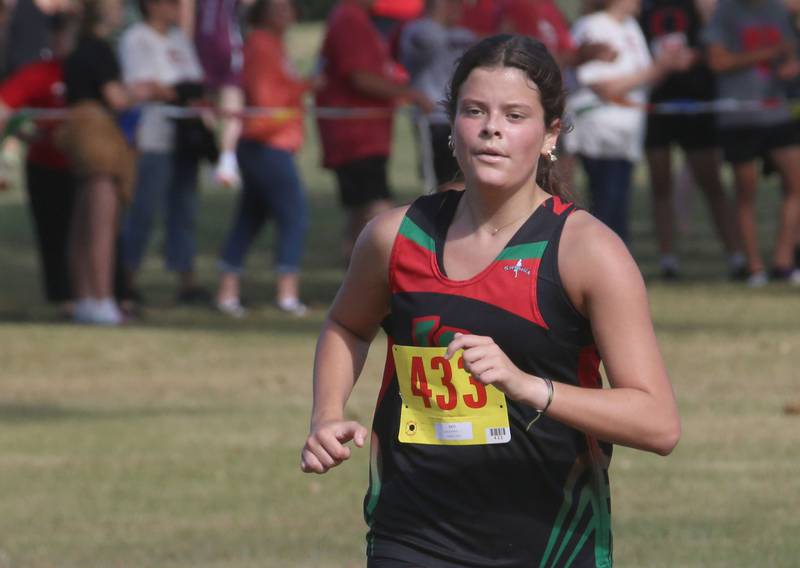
(517, 268)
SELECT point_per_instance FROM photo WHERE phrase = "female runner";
(492, 434)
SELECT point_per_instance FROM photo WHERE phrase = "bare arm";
(668, 61)
(604, 282)
(382, 88)
(355, 316)
(722, 60)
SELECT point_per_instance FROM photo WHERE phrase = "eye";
(515, 116)
(472, 111)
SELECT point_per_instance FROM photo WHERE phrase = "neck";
(492, 211)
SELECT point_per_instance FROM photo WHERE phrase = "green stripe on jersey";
(410, 230)
(528, 250)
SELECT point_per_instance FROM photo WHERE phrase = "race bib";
(442, 404)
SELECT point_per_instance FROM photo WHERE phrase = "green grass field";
(175, 441)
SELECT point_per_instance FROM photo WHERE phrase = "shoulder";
(373, 249)
(593, 260)
(379, 234)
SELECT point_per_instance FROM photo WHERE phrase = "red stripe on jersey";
(589, 368)
(559, 206)
(509, 285)
(388, 370)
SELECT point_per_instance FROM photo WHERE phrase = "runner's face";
(499, 130)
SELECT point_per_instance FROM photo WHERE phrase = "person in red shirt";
(362, 78)
(271, 185)
(50, 184)
(483, 17)
(542, 20)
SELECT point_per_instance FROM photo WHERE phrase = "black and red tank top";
(540, 498)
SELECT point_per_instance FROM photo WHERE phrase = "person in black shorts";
(751, 48)
(492, 434)
(665, 21)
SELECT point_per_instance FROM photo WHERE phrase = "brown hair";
(532, 58)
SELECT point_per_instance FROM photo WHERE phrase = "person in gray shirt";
(429, 48)
(751, 48)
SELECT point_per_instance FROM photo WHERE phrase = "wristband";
(539, 413)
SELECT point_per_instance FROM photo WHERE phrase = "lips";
(490, 152)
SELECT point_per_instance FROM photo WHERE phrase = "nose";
(491, 127)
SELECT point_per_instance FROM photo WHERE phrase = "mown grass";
(175, 441)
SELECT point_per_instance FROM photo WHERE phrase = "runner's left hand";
(487, 363)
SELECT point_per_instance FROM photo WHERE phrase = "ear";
(551, 137)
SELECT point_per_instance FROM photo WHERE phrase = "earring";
(451, 144)
(551, 155)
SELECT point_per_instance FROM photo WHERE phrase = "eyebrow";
(505, 106)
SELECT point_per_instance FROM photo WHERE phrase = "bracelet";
(539, 413)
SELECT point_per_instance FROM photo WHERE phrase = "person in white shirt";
(157, 50)
(608, 108)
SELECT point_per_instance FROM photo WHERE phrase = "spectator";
(157, 51)
(27, 36)
(271, 184)
(101, 158)
(544, 21)
(214, 25)
(359, 75)
(751, 47)
(50, 185)
(429, 49)
(482, 17)
(680, 21)
(608, 107)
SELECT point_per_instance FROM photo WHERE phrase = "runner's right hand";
(325, 446)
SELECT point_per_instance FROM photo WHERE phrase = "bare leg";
(787, 161)
(78, 247)
(231, 100)
(288, 287)
(705, 166)
(103, 210)
(658, 160)
(229, 287)
(746, 178)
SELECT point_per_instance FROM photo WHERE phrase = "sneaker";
(82, 313)
(231, 307)
(757, 279)
(97, 312)
(107, 313)
(194, 296)
(293, 306)
(227, 171)
(787, 275)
